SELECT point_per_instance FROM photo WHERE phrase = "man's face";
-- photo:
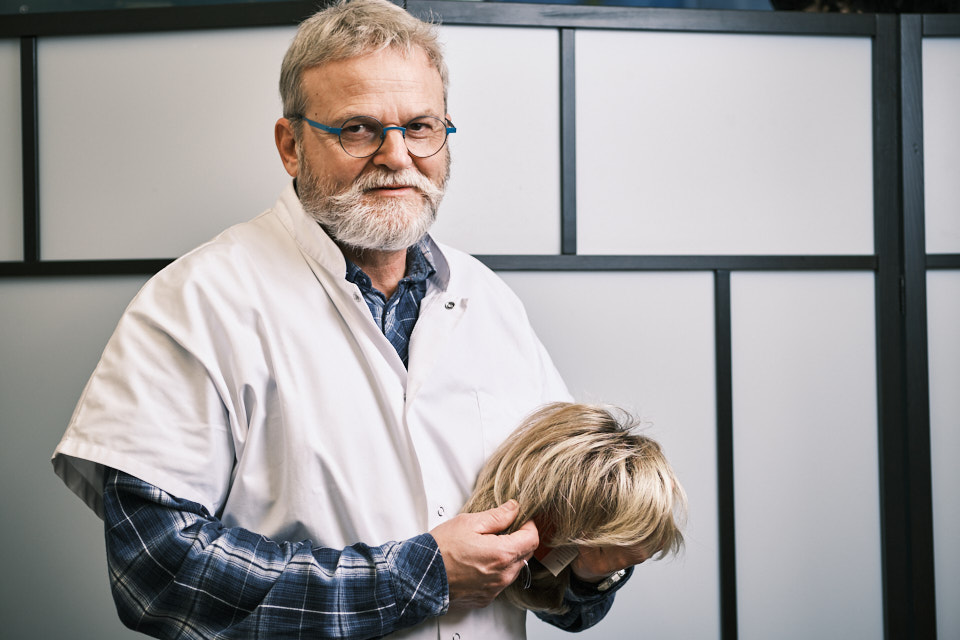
(388, 201)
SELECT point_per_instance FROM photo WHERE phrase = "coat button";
(450, 305)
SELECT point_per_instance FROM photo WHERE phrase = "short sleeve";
(160, 404)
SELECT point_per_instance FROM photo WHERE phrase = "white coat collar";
(314, 241)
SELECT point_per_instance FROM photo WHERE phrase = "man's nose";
(393, 153)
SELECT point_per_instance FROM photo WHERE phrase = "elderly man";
(287, 420)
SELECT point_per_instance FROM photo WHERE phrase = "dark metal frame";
(899, 260)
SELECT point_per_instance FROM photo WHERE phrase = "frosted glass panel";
(723, 144)
(805, 453)
(941, 143)
(943, 317)
(52, 332)
(651, 351)
(11, 172)
(153, 143)
(503, 199)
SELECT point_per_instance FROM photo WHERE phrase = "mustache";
(381, 179)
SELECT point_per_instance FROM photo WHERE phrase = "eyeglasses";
(362, 136)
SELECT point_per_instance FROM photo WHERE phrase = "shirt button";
(440, 511)
(456, 636)
(450, 305)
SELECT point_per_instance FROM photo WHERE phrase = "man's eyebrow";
(339, 123)
(338, 120)
(353, 114)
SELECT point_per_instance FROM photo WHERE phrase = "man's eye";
(359, 128)
(422, 128)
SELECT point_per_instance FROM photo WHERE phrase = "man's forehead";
(377, 66)
(381, 77)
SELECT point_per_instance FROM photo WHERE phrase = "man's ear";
(286, 145)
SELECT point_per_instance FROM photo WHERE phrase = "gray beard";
(366, 222)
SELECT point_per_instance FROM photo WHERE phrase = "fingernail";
(512, 504)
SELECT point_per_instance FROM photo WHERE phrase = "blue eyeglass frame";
(383, 133)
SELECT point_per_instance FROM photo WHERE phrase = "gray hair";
(348, 29)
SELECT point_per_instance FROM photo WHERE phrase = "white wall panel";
(153, 143)
(941, 143)
(645, 341)
(805, 452)
(52, 332)
(504, 192)
(943, 318)
(11, 172)
(723, 144)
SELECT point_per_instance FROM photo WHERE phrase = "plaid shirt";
(177, 572)
(396, 316)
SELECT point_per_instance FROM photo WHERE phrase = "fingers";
(526, 539)
(494, 521)
(479, 563)
(497, 519)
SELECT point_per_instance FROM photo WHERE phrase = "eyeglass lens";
(362, 136)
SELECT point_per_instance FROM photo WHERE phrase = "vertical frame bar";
(726, 514)
(904, 432)
(30, 146)
(568, 143)
(917, 427)
(887, 195)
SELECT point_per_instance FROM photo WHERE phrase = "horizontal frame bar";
(152, 19)
(945, 25)
(943, 261)
(69, 268)
(291, 12)
(61, 268)
(678, 263)
(642, 18)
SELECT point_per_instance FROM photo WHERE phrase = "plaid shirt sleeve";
(177, 572)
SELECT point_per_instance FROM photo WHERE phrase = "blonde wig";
(348, 29)
(587, 480)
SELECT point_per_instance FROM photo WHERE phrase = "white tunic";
(250, 377)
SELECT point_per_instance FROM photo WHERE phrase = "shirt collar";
(420, 266)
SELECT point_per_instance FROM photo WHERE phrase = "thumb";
(499, 518)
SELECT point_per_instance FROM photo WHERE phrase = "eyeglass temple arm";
(334, 130)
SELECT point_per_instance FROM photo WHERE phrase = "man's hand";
(479, 563)
(593, 564)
